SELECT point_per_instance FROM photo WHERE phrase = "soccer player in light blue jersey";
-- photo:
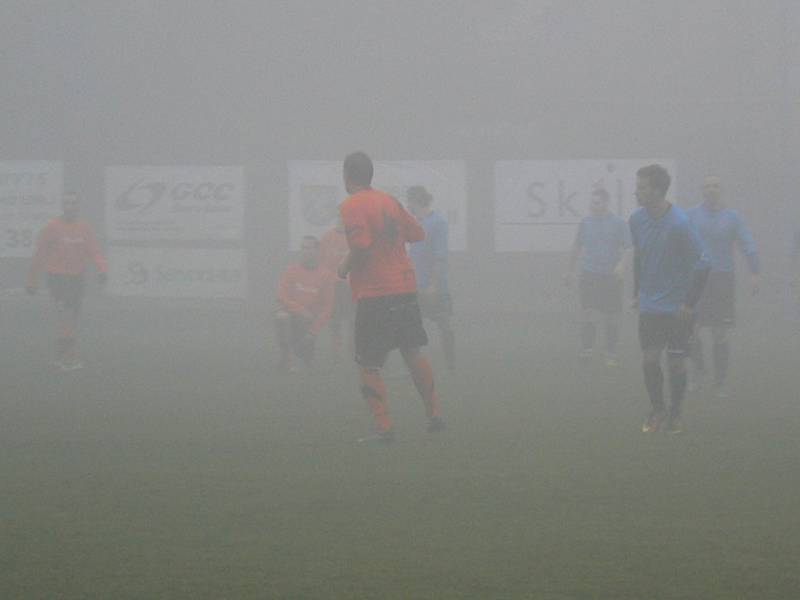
(720, 229)
(670, 271)
(430, 267)
(603, 243)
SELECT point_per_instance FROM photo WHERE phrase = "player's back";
(377, 223)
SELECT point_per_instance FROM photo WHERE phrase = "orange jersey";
(311, 290)
(64, 247)
(377, 223)
(333, 249)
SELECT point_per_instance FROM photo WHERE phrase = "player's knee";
(720, 335)
(651, 356)
(676, 362)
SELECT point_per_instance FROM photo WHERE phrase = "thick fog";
(261, 97)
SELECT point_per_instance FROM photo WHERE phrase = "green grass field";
(178, 464)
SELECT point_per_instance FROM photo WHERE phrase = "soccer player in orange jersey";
(63, 249)
(305, 304)
(385, 290)
(333, 250)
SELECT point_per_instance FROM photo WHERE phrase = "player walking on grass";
(603, 242)
(385, 291)
(305, 303)
(430, 267)
(670, 272)
(720, 229)
(63, 249)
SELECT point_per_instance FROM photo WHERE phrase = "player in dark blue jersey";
(430, 266)
(720, 229)
(670, 271)
(602, 242)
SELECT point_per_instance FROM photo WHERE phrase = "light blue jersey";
(720, 230)
(668, 254)
(603, 240)
(433, 247)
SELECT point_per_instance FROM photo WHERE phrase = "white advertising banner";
(538, 204)
(177, 272)
(30, 195)
(174, 203)
(316, 190)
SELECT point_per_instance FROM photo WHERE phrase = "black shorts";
(343, 303)
(384, 324)
(66, 290)
(665, 330)
(601, 292)
(717, 305)
(436, 306)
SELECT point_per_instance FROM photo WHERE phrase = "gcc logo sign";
(144, 194)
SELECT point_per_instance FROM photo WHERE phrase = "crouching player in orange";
(305, 303)
(63, 249)
(385, 290)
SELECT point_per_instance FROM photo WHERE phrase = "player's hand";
(685, 312)
(102, 278)
(755, 284)
(30, 290)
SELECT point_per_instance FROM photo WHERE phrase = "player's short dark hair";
(602, 192)
(358, 168)
(418, 195)
(657, 176)
(312, 238)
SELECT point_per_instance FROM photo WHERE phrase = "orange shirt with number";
(377, 223)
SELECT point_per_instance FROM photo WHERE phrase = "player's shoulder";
(695, 210)
(637, 216)
(678, 214)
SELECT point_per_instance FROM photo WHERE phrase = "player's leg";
(411, 337)
(587, 287)
(67, 294)
(725, 320)
(371, 350)
(653, 339)
(612, 310)
(679, 336)
(697, 359)
(612, 337)
(422, 374)
(448, 340)
(304, 344)
(720, 336)
(588, 332)
(438, 309)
